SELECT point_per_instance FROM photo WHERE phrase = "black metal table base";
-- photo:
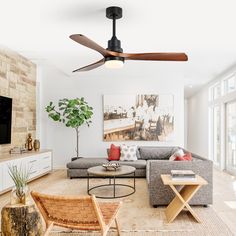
(113, 185)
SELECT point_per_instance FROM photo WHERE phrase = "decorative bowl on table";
(111, 166)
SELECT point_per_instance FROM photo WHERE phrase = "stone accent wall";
(18, 81)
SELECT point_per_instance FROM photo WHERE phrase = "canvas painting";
(142, 117)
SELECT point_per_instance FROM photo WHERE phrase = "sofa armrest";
(75, 158)
(155, 168)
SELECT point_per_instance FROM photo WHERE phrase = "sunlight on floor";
(231, 204)
(234, 186)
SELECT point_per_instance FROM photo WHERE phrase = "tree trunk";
(77, 141)
(19, 220)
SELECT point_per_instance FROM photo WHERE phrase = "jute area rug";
(136, 216)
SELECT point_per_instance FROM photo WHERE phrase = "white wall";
(197, 134)
(56, 85)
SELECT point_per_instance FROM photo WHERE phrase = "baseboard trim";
(59, 168)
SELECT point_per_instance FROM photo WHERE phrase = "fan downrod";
(114, 43)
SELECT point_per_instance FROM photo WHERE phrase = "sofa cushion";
(114, 153)
(179, 153)
(186, 157)
(84, 163)
(156, 153)
(139, 164)
(128, 153)
(137, 153)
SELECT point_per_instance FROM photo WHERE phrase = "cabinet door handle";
(33, 172)
(33, 161)
(46, 157)
(46, 167)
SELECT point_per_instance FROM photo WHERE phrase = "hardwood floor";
(224, 194)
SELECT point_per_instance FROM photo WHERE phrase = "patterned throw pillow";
(128, 153)
(186, 157)
(178, 153)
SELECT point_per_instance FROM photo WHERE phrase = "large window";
(230, 84)
(215, 92)
(216, 135)
(231, 137)
(222, 105)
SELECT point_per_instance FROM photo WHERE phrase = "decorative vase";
(20, 195)
(36, 145)
(29, 142)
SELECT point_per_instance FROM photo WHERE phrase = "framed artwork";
(142, 117)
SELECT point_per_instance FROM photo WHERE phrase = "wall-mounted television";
(5, 119)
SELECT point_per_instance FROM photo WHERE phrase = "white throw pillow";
(128, 153)
(178, 153)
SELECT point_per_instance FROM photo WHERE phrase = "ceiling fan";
(113, 56)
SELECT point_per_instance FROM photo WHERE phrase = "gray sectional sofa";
(151, 163)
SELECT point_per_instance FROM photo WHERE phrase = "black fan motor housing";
(114, 44)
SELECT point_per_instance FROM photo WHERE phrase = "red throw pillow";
(114, 153)
(179, 158)
(186, 157)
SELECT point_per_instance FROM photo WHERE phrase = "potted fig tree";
(73, 113)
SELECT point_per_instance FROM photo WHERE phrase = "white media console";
(40, 163)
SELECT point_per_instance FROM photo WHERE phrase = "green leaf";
(72, 112)
(55, 116)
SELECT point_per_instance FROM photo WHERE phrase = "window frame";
(225, 84)
(225, 96)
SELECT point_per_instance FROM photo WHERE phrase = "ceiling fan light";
(114, 62)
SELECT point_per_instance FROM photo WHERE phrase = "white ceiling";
(204, 29)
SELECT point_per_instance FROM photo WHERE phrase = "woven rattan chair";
(76, 212)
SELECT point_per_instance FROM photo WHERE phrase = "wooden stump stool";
(19, 220)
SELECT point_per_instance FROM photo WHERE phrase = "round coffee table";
(100, 171)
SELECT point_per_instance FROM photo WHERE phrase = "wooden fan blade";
(155, 56)
(91, 66)
(81, 39)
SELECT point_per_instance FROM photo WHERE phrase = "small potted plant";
(73, 113)
(20, 177)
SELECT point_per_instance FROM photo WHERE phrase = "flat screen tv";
(5, 119)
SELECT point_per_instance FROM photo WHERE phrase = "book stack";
(183, 175)
(18, 150)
